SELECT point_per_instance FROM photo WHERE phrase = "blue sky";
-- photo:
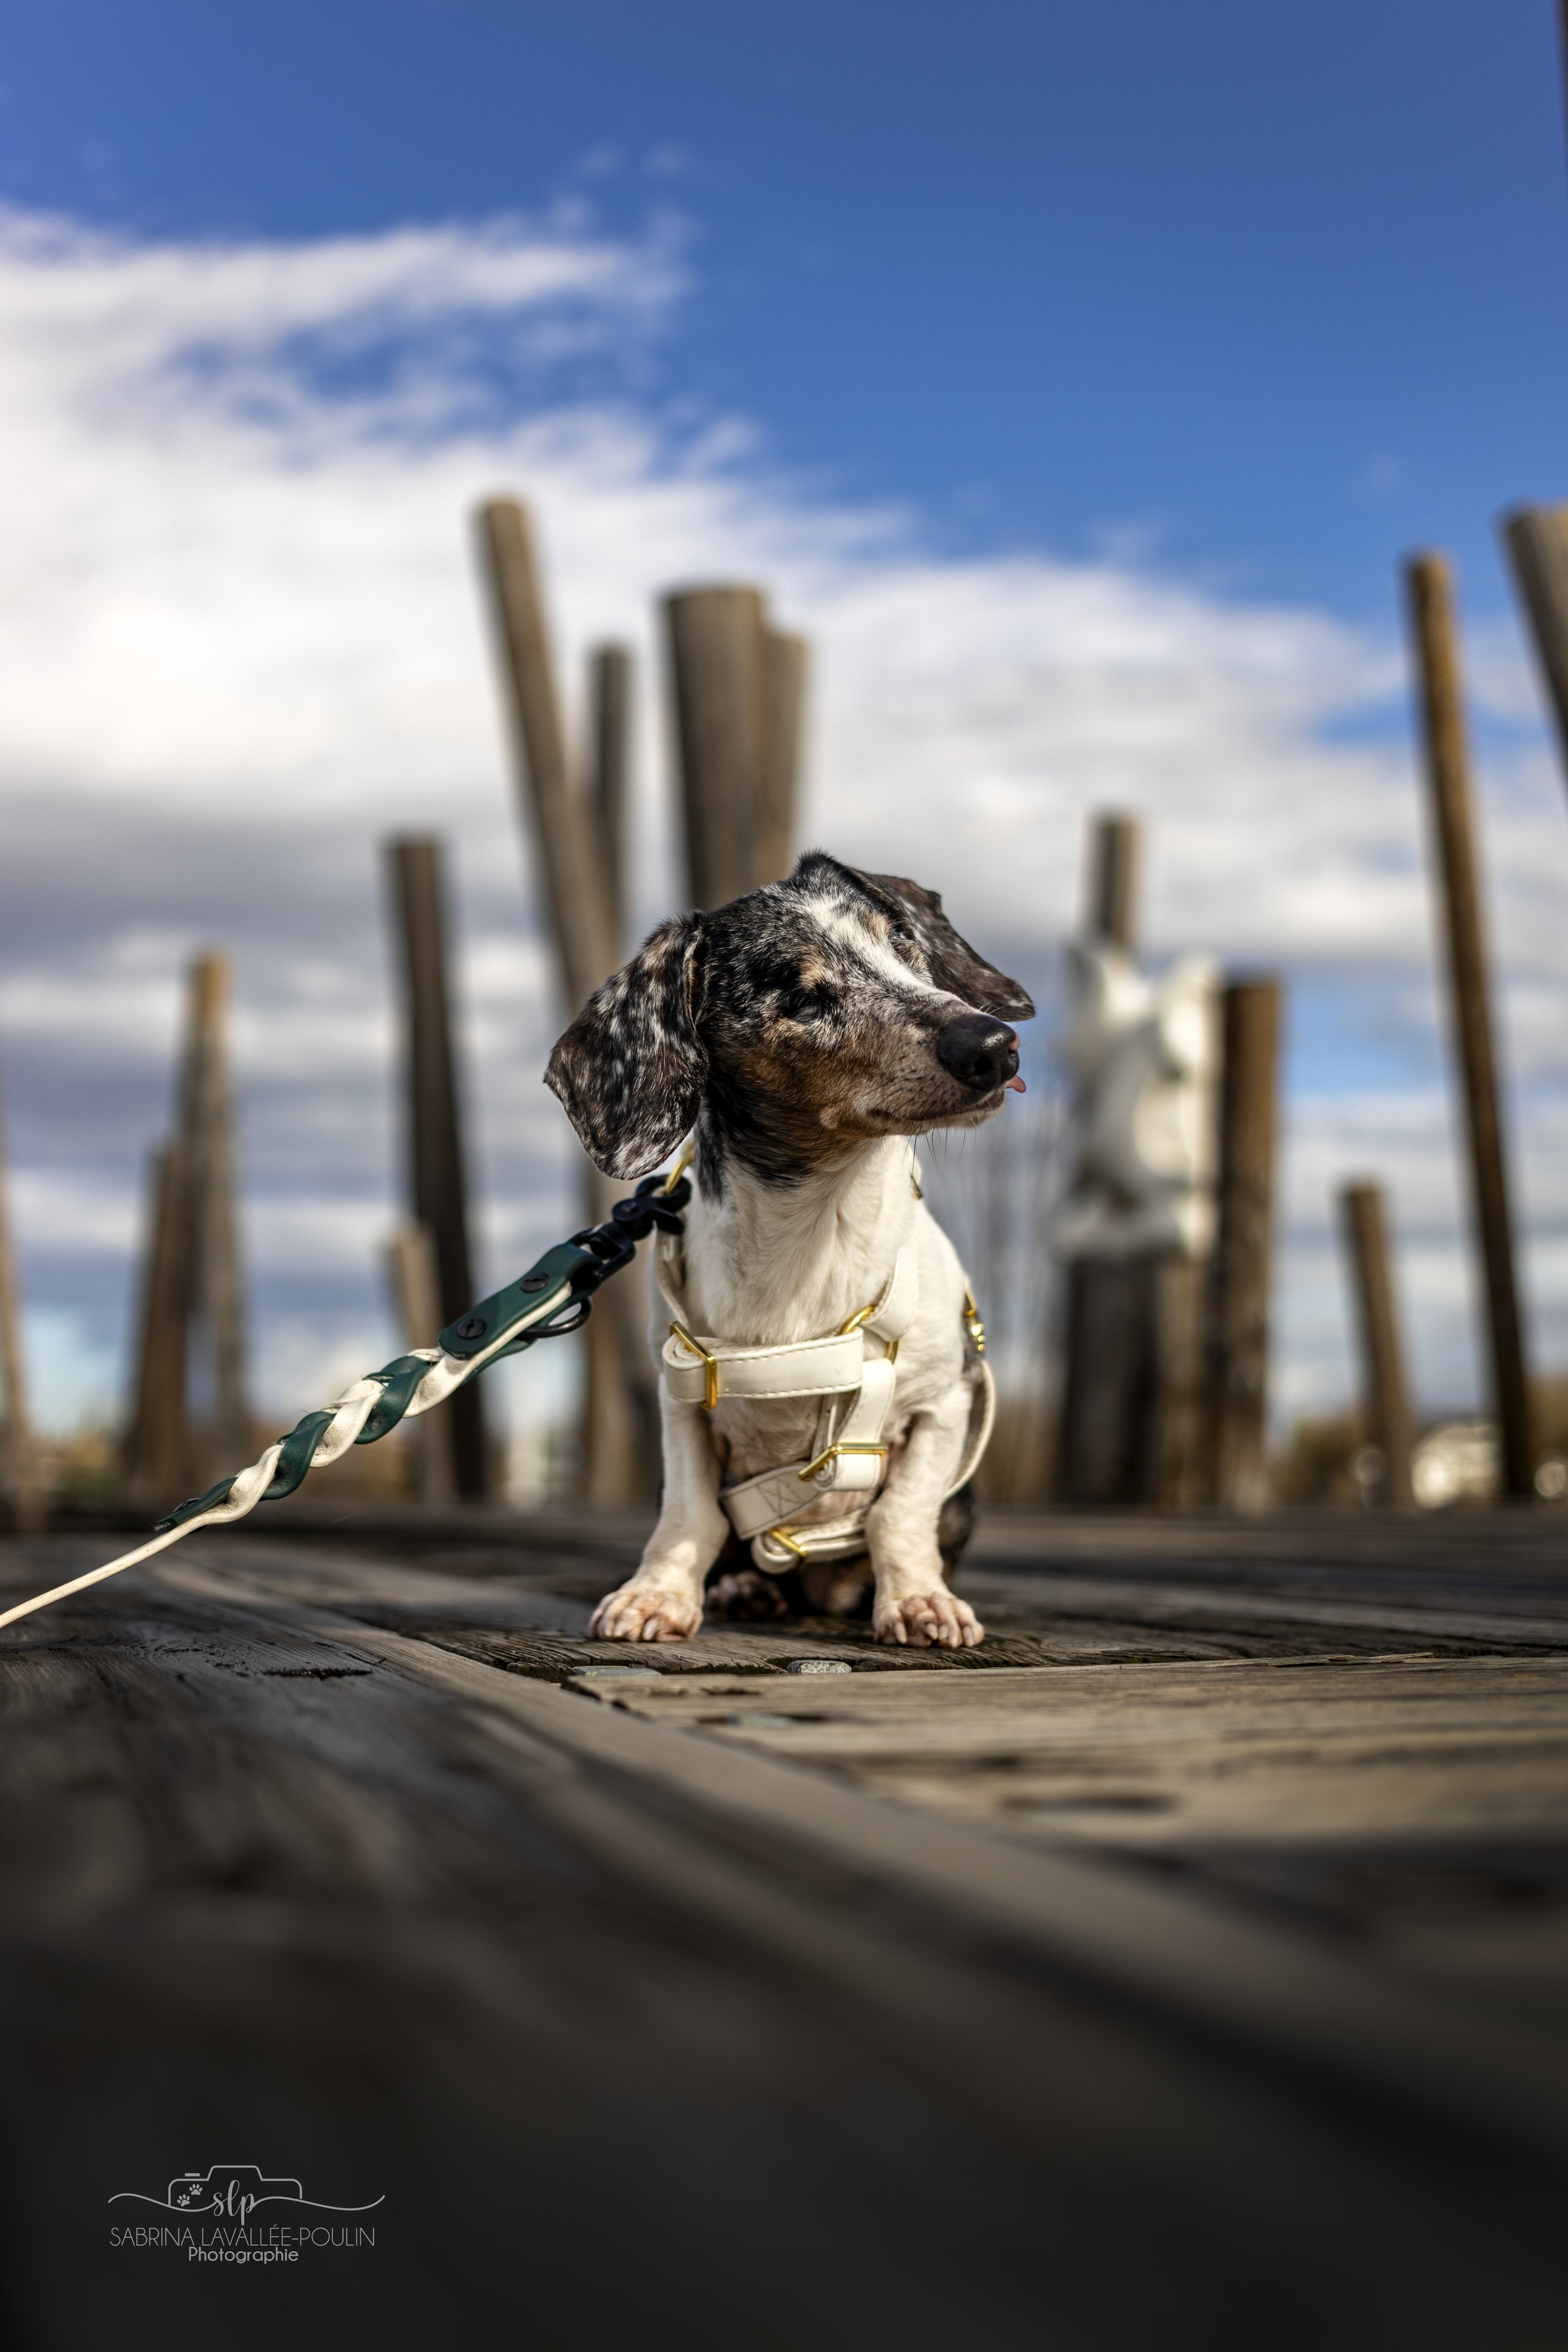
(1264, 291)
(1076, 375)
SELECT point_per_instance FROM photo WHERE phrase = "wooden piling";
(610, 707)
(1129, 1428)
(739, 693)
(578, 833)
(1238, 1384)
(1430, 604)
(1386, 1404)
(556, 815)
(1536, 540)
(440, 1193)
(788, 675)
(1114, 847)
(216, 1289)
(155, 1449)
(20, 1464)
(414, 1274)
(719, 662)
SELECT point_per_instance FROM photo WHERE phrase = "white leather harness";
(854, 1388)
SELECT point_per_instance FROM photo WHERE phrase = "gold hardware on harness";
(973, 1324)
(832, 1454)
(688, 1154)
(777, 1535)
(861, 1315)
(709, 1364)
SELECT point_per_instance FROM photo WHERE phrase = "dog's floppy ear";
(631, 1069)
(951, 961)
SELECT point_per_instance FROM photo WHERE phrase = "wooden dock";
(1188, 1965)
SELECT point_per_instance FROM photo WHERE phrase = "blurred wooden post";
(580, 858)
(411, 1264)
(1536, 538)
(23, 1485)
(434, 1132)
(558, 817)
(610, 702)
(1430, 600)
(1385, 1402)
(217, 1297)
(155, 1446)
(192, 1319)
(1129, 1429)
(622, 1443)
(789, 664)
(739, 693)
(1113, 878)
(1238, 1296)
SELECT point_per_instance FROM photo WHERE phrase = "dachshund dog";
(804, 1033)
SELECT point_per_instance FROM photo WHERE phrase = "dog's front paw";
(641, 1612)
(932, 1619)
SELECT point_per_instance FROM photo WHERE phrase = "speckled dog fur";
(804, 1032)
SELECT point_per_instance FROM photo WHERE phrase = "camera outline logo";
(231, 2188)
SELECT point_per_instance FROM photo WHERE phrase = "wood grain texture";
(610, 1999)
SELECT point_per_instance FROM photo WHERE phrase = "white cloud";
(242, 643)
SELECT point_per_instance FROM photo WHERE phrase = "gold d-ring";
(709, 1364)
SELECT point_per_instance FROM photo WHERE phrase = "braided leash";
(555, 1297)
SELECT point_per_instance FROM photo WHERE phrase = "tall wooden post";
(788, 672)
(558, 817)
(1129, 1424)
(1113, 878)
(1386, 1404)
(739, 693)
(155, 1447)
(191, 1417)
(579, 863)
(412, 1266)
(1238, 1295)
(434, 1132)
(610, 711)
(1430, 598)
(217, 1298)
(1536, 538)
(20, 1459)
(621, 1439)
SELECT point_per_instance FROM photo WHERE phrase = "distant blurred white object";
(1144, 1055)
(1456, 1462)
(1551, 1479)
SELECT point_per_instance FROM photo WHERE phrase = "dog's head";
(809, 1017)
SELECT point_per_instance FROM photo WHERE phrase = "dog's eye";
(808, 1002)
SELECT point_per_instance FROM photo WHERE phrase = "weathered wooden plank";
(272, 1885)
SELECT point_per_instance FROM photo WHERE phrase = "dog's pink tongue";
(1015, 1087)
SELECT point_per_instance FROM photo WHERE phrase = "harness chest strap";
(698, 1368)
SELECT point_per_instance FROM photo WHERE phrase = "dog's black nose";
(978, 1051)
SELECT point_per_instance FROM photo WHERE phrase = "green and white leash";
(555, 1297)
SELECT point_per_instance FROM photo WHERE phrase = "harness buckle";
(709, 1364)
(972, 1323)
(831, 1454)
